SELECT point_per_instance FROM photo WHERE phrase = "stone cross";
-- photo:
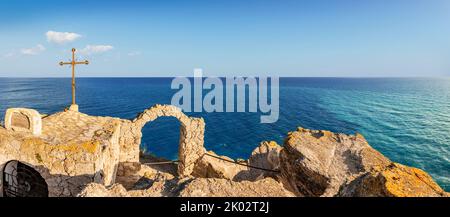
(73, 63)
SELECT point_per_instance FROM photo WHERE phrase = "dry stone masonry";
(74, 149)
(81, 155)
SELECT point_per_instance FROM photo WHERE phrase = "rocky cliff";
(322, 163)
(310, 163)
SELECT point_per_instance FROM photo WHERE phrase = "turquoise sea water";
(407, 119)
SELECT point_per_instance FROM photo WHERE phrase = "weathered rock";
(199, 187)
(322, 163)
(267, 187)
(212, 167)
(147, 183)
(98, 190)
(395, 180)
(267, 156)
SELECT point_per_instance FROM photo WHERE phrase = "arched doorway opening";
(159, 144)
(21, 180)
(191, 134)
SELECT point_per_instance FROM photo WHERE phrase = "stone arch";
(18, 179)
(192, 132)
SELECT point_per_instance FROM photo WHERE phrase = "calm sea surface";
(408, 120)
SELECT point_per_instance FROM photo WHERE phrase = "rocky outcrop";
(147, 182)
(212, 165)
(198, 187)
(267, 187)
(98, 190)
(267, 156)
(395, 180)
(311, 163)
(322, 163)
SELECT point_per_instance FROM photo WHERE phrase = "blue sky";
(364, 38)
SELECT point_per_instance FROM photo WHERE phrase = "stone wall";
(74, 149)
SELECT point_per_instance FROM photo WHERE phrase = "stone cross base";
(73, 107)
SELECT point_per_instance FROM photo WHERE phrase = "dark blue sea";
(406, 119)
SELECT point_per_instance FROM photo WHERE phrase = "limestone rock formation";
(267, 156)
(322, 163)
(395, 180)
(98, 190)
(197, 187)
(209, 166)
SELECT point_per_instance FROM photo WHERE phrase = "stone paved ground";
(74, 127)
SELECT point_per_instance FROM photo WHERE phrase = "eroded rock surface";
(322, 163)
(267, 187)
(210, 166)
(197, 187)
(267, 156)
(395, 180)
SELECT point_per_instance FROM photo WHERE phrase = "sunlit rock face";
(196, 187)
(322, 163)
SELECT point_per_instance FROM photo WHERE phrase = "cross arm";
(84, 62)
(73, 63)
(65, 63)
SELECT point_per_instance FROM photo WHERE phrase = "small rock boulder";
(210, 166)
(267, 156)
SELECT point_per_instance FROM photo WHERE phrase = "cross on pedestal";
(74, 106)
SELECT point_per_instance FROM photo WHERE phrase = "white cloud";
(92, 49)
(134, 53)
(33, 51)
(61, 37)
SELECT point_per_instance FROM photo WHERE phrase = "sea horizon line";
(284, 77)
